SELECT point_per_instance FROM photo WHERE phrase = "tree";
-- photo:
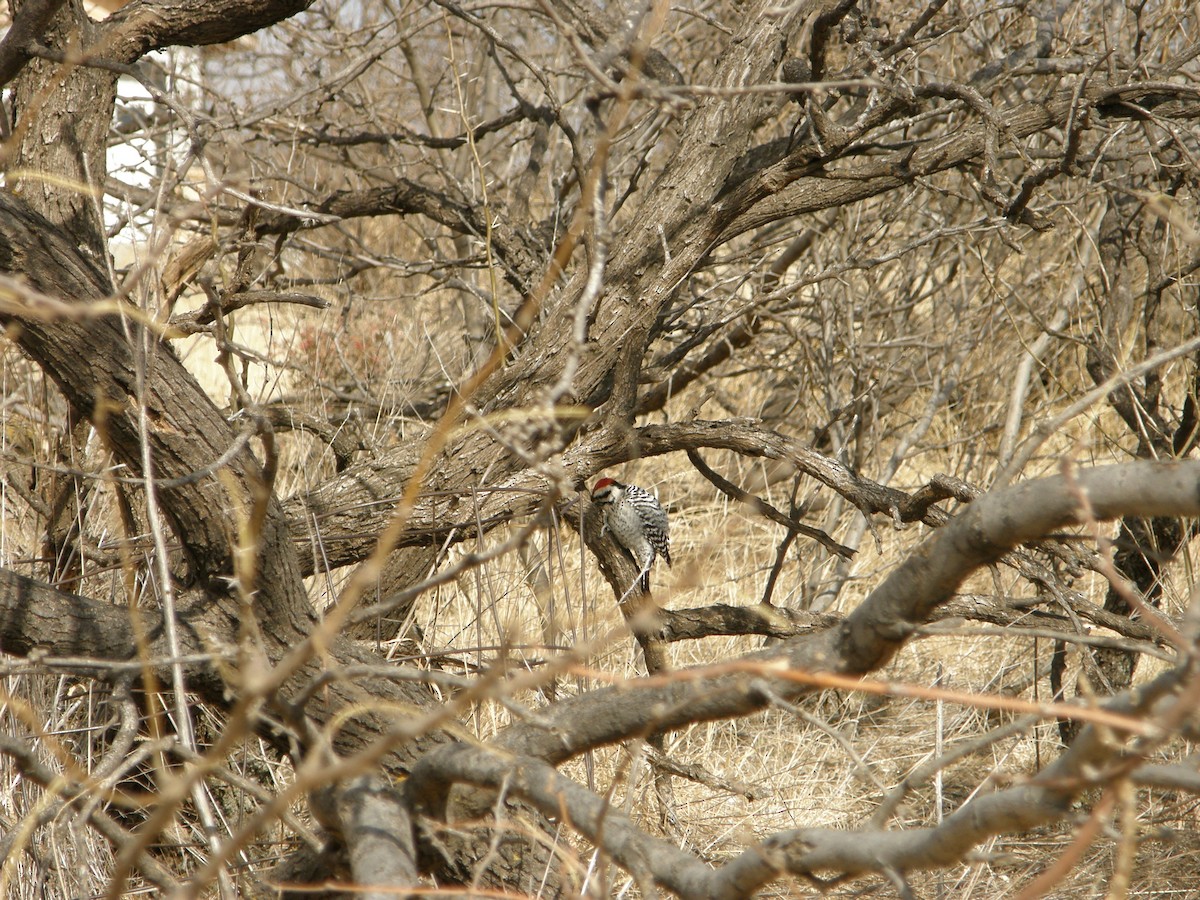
(554, 236)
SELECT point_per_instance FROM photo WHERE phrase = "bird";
(636, 521)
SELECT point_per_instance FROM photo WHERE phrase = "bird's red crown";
(603, 483)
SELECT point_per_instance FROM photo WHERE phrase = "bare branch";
(992, 525)
(30, 21)
(763, 508)
(805, 852)
(139, 27)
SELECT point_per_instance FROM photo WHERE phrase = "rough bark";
(54, 144)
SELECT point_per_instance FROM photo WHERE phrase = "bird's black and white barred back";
(636, 521)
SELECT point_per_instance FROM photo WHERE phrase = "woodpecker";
(637, 522)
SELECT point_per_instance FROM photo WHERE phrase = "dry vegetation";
(865, 245)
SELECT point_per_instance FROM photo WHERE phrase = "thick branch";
(377, 828)
(195, 321)
(561, 798)
(34, 615)
(145, 25)
(29, 23)
(522, 257)
(722, 619)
